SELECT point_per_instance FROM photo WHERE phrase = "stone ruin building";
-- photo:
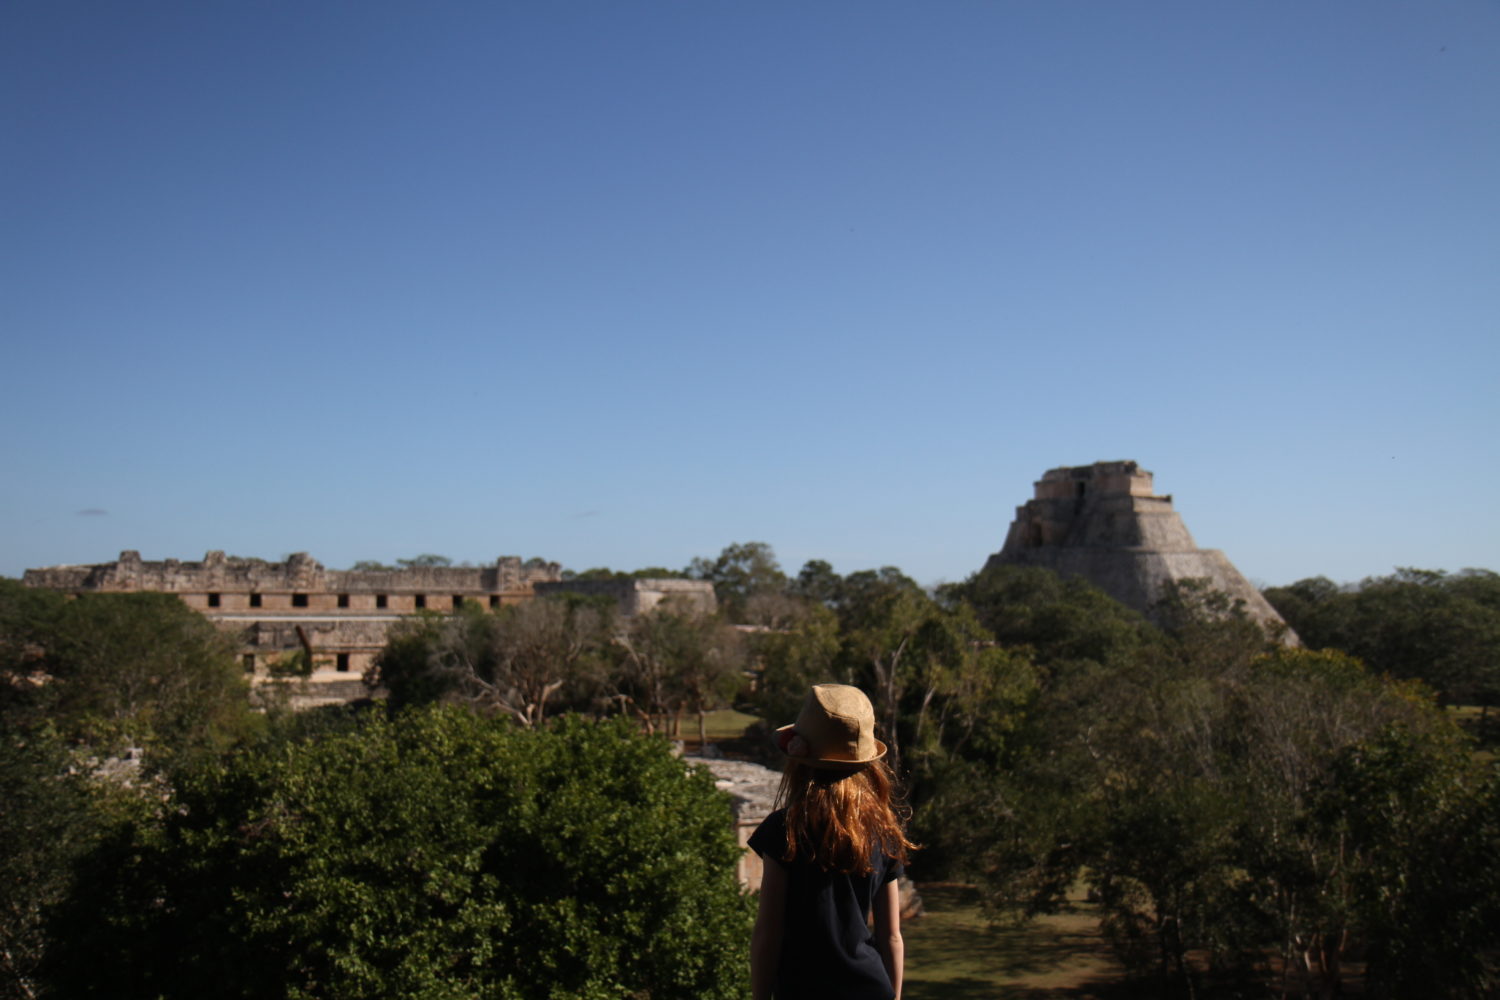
(638, 596)
(1105, 523)
(341, 617)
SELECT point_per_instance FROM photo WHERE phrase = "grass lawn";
(953, 954)
(724, 724)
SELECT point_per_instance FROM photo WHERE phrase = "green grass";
(952, 953)
(725, 724)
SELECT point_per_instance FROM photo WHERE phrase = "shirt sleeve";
(769, 839)
(893, 869)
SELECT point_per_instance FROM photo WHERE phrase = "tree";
(404, 667)
(1415, 826)
(1208, 627)
(53, 814)
(605, 573)
(516, 660)
(672, 661)
(1060, 619)
(742, 570)
(100, 696)
(817, 581)
(595, 573)
(427, 560)
(436, 855)
(120, 670)
(883, 616)
(972, 692)
(712, 668)
(1294, 714)
(656, 573)
(1442, 629)
(1197, 790)
(790, 659)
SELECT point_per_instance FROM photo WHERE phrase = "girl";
(832, 854)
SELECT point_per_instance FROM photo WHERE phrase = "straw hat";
(835, 729)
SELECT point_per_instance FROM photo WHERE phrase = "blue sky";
(621, 283)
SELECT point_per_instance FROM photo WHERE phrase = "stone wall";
(635, 597)
(280, 607)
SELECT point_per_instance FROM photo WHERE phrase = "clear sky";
(619, 283)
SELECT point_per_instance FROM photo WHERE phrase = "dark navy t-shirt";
(827, 950)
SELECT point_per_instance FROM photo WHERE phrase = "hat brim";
(785, 734)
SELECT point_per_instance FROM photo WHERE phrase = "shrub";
(439, 854)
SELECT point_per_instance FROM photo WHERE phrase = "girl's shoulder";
(769, 839)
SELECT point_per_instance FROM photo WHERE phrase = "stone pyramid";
(1105, 523)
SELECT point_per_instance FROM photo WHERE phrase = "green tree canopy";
(56, 804)
(1440, 628)
(741, 571)
(437, 855)
(99, 697)
(426, 560)
(516, 660)
(674, 661)
(1197, 788)
(817, 581)
(117, 670)
(1059, 619)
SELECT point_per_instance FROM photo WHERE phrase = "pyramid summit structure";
(1105, 523)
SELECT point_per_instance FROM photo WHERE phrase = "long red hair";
(840, 817)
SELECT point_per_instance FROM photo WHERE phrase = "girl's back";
(827, 946)
(832, 856)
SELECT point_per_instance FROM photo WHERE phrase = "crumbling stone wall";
(279, 607)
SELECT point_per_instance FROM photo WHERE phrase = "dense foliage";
(552, 654)
(1440, 628)
(437, 854)
(1283, 813)
(110, 671)
(1247, 815)
(99, 698)
(162, 841)
(520, 660)
(1243, 812)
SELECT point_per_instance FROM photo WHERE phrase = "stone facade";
(341, 616)
(634, 597)
(1105, 523)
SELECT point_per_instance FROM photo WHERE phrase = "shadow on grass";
(952, 953)
(968, 988)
